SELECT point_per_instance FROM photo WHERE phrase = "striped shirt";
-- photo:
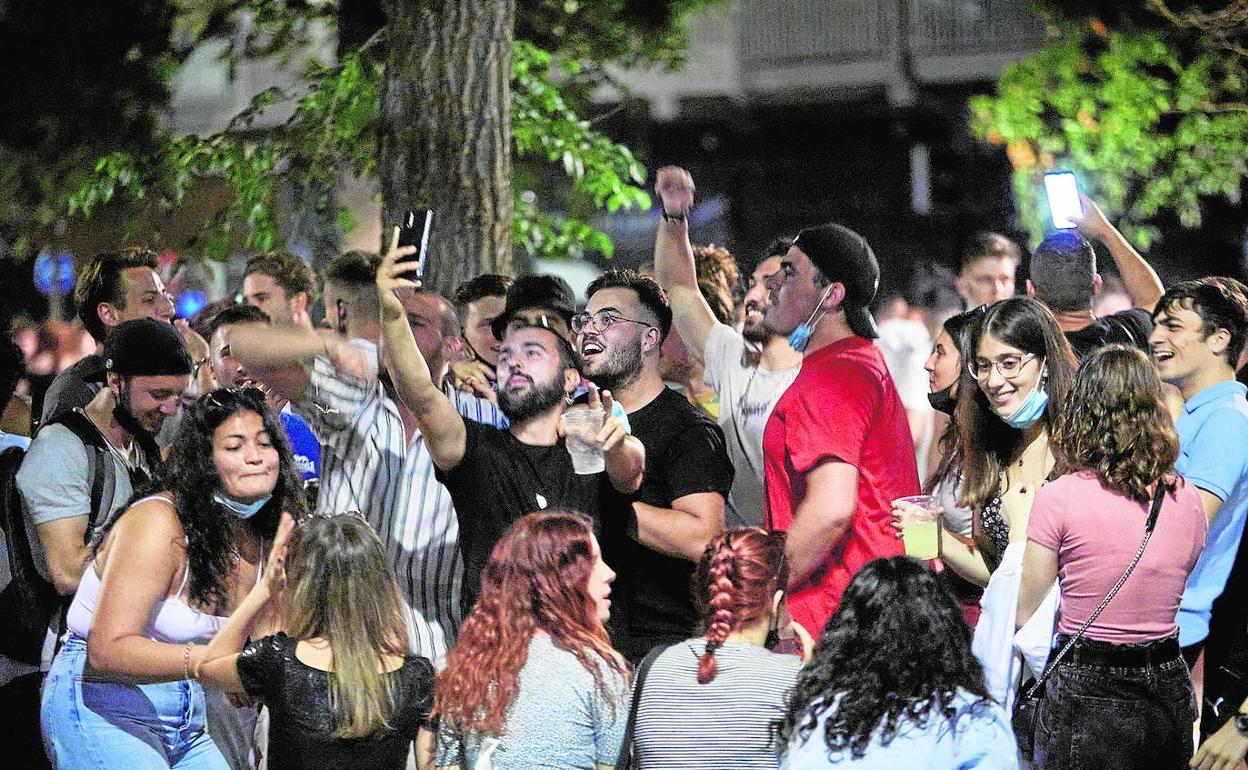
(368, 465)
(724, 723)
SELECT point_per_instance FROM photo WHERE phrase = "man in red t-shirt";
(837, 448)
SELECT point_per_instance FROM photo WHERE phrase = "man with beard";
(374, 458)
(749, 369)
(654, 537)
(837, 445)
(147, 369)
(497, 476)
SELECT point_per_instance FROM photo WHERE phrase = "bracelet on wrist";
(187, 671)
(672, 218)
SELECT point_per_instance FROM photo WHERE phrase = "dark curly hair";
(897, 650)
(191, 476)
(1115, 423)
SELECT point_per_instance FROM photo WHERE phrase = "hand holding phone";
(414, 231)
(1063, 193)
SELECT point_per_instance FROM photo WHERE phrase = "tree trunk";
(446, 131)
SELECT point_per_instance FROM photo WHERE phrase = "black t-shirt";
(1130, 327)
(301, 733)
(501, 479)
(652, 602)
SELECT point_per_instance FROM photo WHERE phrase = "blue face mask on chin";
(1032, 408)
(241, 510)
(800, 337)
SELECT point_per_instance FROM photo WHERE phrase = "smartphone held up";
(414, 231)
(1063, 193)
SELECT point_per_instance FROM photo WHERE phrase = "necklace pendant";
(541, 501)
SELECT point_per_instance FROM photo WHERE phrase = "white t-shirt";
(747, 395)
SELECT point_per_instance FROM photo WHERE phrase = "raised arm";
(674, 266)
(218, 664)
(1141, 280)
(440, 423)
(281, 356)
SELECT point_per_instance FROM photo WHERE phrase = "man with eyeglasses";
(654, 537)
(749, 369)
(837, 446)
(113, 288)
(496, 476)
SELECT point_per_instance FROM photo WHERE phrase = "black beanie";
(146, 347)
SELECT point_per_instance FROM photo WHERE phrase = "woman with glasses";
(1015, 383)
(1121, 697)
(711, 701)
(533, 680)
(166, 571)
(342, 690)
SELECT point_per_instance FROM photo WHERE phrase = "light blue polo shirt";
(1213, 455)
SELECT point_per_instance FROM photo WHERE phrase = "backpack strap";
(99, 464)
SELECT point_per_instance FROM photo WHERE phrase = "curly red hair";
(537, 578)
(740, 572)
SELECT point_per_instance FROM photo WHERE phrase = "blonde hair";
(341, 588)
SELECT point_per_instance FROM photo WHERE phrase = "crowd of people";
(659, 526)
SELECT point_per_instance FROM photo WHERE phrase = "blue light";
(54, 271)
(190, 303)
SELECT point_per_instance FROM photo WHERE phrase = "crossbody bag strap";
(643, 668)
(1158, 497)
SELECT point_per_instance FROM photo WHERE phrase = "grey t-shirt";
(747, 395)
(55, 483)
(559, 719)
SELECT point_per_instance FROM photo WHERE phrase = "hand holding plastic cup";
(920, 525)
(580, 430)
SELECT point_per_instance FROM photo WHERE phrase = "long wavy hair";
(191, 476)
(537, 578)
(341, 588)
(735, 583)
(961, 329)
(1115, 424)
(897, 650)
(986, 443)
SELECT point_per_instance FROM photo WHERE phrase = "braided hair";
(739, 573)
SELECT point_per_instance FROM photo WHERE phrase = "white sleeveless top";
(175, 623)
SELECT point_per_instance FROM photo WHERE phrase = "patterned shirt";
(368, 465)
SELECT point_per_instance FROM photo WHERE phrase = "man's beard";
(536, 400)
(131, 422)
(620, 370)
(756, 333)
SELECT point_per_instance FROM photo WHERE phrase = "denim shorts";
(90, 724)
(1116, 718)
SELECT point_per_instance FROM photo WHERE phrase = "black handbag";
(627, 760)
(1027, 704)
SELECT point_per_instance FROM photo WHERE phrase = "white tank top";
(175, 623)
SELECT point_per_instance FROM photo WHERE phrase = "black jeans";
(1100, 717)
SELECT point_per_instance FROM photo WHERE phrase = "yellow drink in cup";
(920, 526)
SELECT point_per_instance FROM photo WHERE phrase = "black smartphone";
(414, 231)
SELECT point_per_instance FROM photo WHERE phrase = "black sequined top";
(995, 525)
(301, 728)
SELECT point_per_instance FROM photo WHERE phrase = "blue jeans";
(1116, 718)
(89, 724)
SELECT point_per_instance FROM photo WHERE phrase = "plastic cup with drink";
(920, 525)
(580, 430)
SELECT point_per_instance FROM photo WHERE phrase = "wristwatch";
(679, 216)
(1241, 722)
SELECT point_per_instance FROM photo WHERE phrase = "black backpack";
(29, 603)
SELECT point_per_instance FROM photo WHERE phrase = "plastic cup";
(580, 429)
(920, 526)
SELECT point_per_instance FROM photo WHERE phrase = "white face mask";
(239, 509)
